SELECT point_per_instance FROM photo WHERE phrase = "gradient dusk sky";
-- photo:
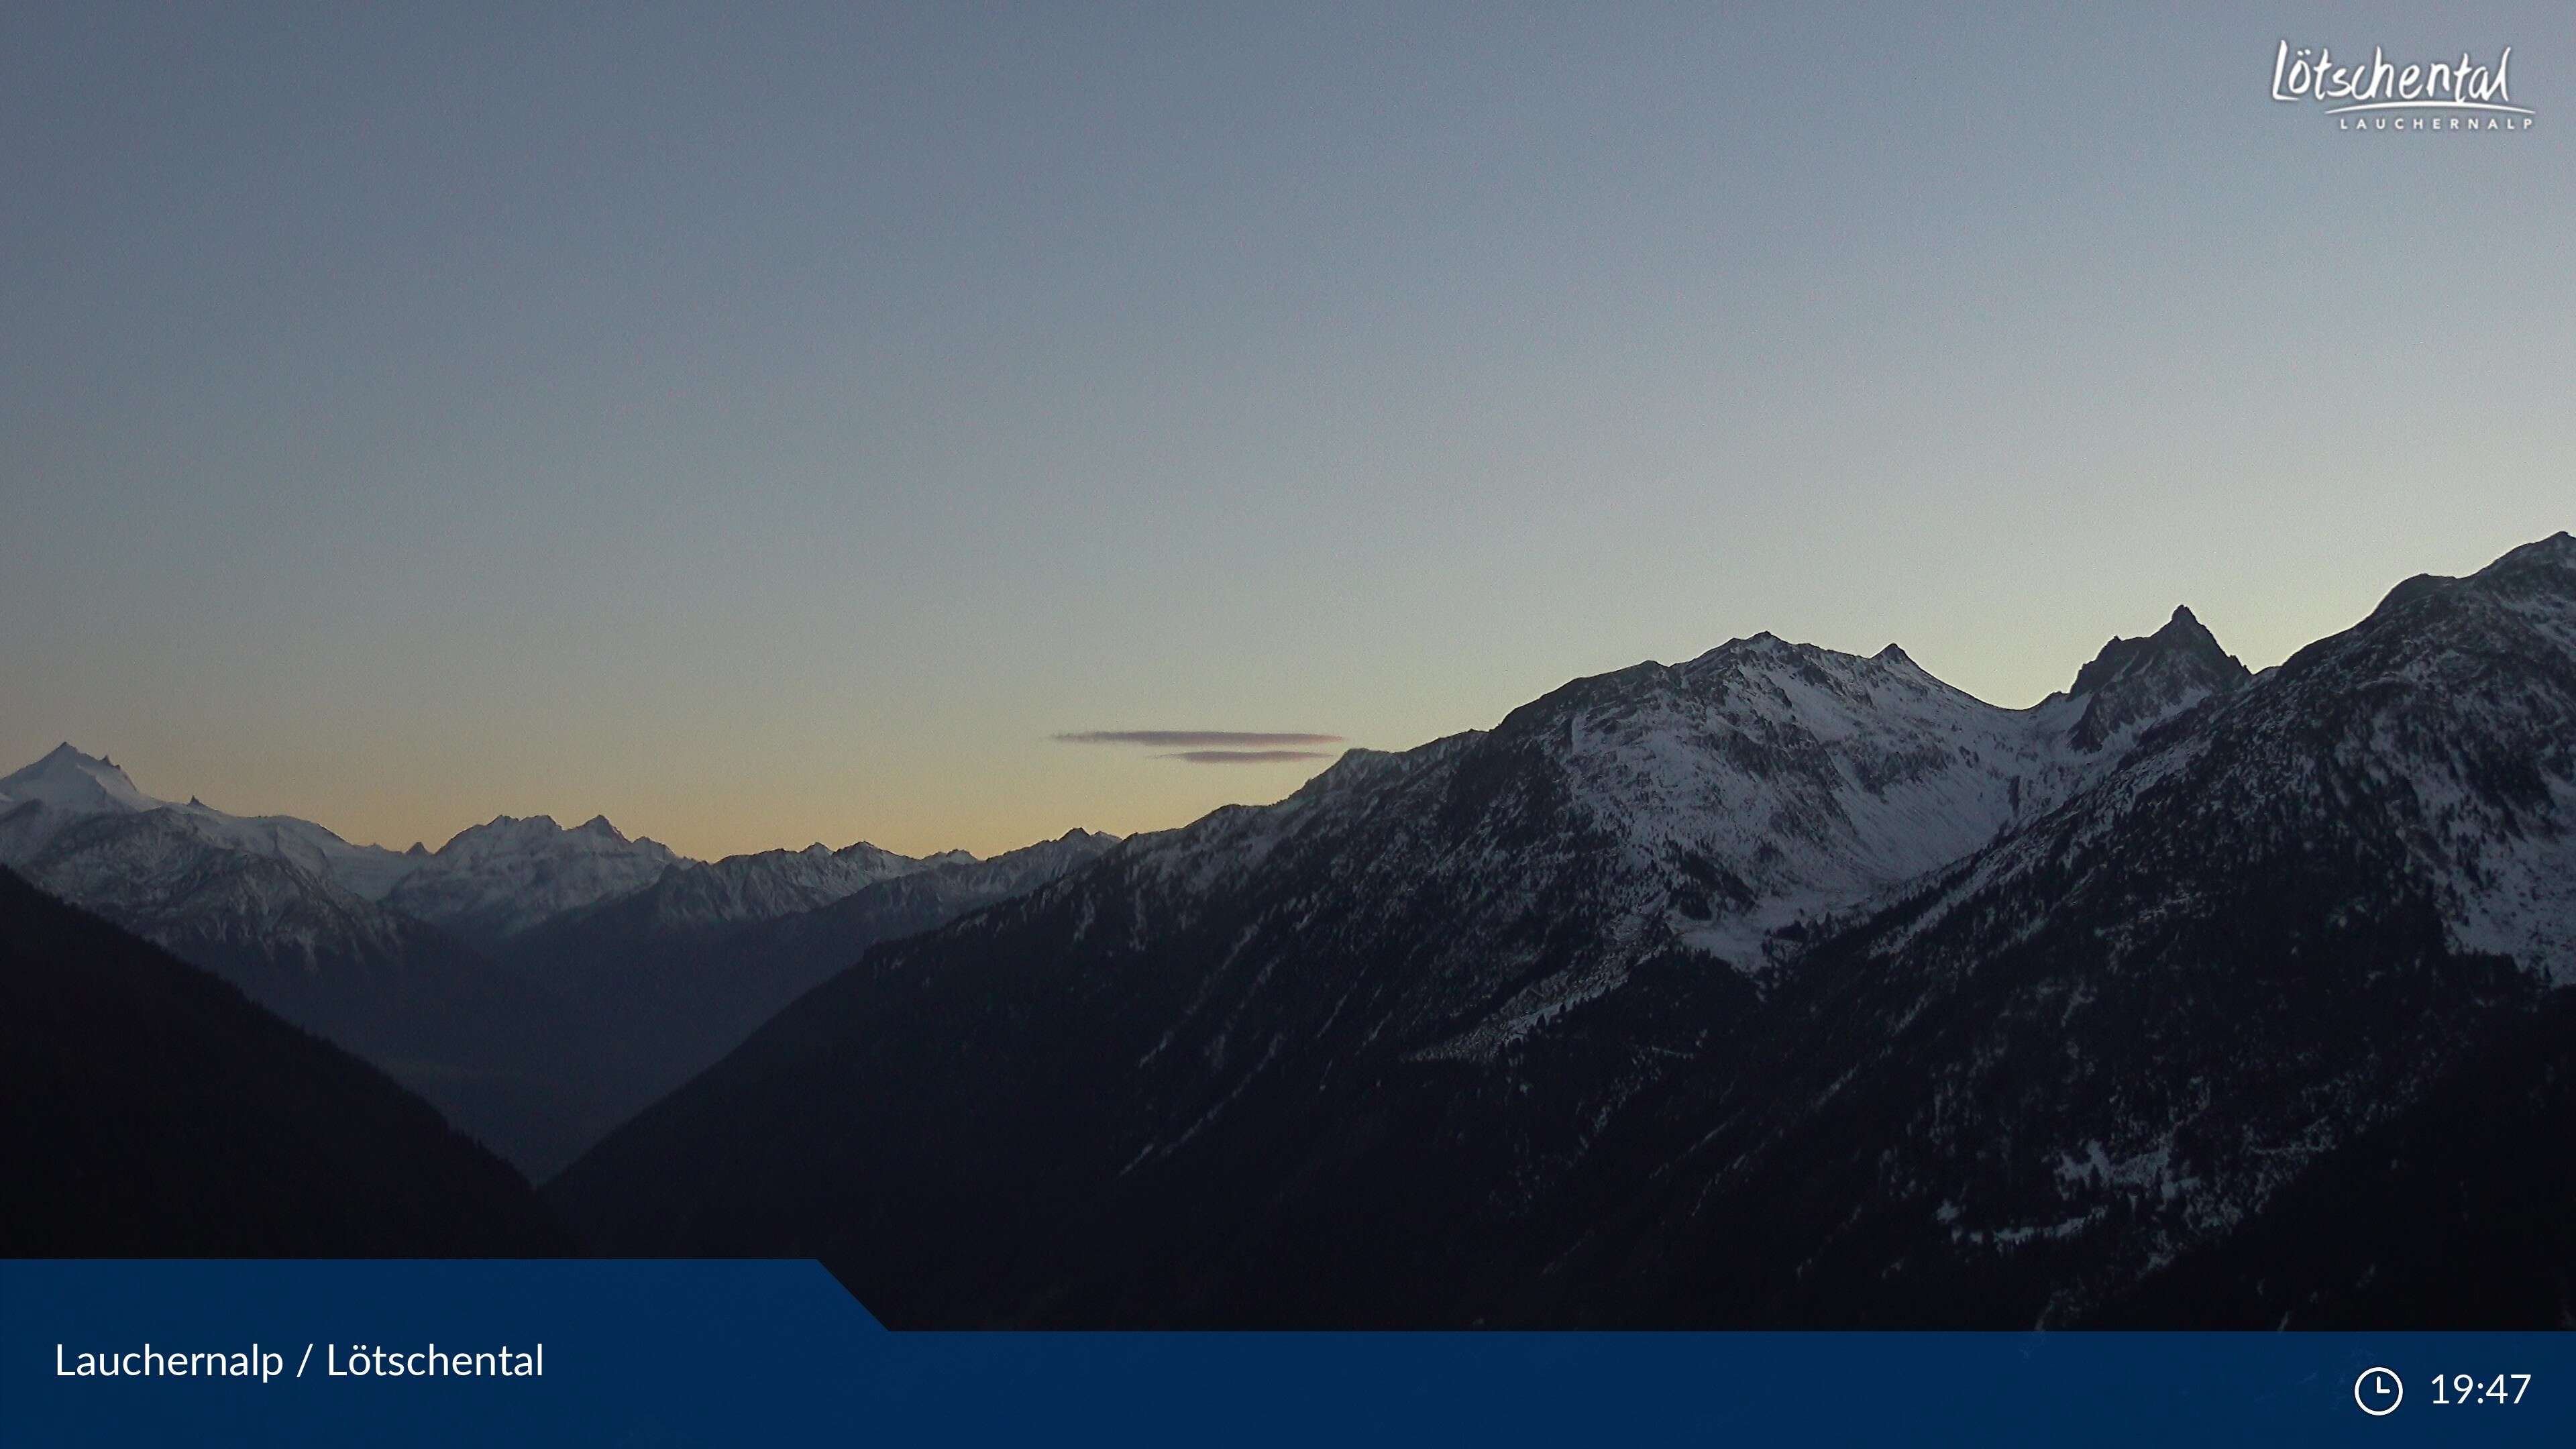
(770, 424)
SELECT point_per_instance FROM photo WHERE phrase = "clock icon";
(2378, 1392)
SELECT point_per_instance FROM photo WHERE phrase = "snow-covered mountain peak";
(2135, 683)
(508, 835)
(1727, 805)
(499, 828)
(67, 787)
(2419, 587)
(2542, 572)
(767, 885)
(873, 860)
(2529, 584)
(68, 780)
(493, 880)
(2557, 551)
(2184, 640)
(487, 884)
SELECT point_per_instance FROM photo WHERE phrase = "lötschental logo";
(2404, 96)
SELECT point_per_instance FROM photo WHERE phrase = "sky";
(770, 424)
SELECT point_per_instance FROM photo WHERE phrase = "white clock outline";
(2395, 1385)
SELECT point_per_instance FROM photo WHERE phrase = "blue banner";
(670, 1353)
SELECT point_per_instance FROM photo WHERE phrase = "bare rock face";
(2135, 682)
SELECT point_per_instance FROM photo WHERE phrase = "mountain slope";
(666, 980)
(2458, 1211)
(1438, 916)
(480, 1041)
(1782, 987)
(539, 984)
(150, 1110)
(2113, 1038)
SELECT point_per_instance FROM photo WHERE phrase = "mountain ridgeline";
(1778, 988)
(538, 984)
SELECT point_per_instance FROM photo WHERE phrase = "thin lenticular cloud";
(1215, 747)
(1201, 741)
(1243, 757)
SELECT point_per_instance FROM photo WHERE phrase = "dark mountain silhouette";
(2458, 1212)
(153, 1111)
(656, 985)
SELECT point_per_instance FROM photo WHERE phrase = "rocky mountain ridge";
(434, 964)
(1781, 987)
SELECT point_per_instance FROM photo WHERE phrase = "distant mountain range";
(667, 979)
(1778, 988)
(538, 983)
